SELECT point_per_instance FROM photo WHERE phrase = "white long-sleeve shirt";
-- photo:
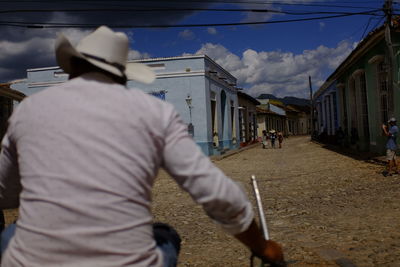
(86, 153)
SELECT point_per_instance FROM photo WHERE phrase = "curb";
(233, 152)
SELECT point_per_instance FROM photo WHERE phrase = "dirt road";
(326, 209)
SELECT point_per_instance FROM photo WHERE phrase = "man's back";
(88, 154)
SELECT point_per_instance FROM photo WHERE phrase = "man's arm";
(10, 185)
(222, 199)
(384, 128)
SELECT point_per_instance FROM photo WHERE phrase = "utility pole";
(311, 108)
(388, 9)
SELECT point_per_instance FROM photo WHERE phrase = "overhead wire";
(332, 14)
(181, 10)
(288, 3)
(366, 27)
(71, 25)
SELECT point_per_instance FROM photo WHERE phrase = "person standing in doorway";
(391, 130)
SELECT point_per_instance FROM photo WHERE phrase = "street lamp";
(190, 126)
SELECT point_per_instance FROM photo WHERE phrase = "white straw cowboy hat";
(105, 49)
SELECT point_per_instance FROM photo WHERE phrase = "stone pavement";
(326, 208)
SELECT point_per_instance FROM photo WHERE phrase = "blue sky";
(269, 58)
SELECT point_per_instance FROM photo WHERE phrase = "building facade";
(203, 93)
(247, 119)
(268, 120)
(326, 104)
(271, 117)
(362, 93)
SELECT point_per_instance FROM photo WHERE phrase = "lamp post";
(190, 126)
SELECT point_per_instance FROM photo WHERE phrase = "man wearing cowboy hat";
(391, 146)
(87, 155)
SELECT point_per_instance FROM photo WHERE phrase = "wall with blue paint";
(177, 78)
(328, 120)
(183, 77)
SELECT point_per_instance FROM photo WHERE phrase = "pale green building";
(362, 93)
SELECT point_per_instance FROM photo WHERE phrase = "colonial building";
(247, 119)
(271, 117)
(299, 119)
(268, 120)
(202, 92)
(361, 93)
(327, 110)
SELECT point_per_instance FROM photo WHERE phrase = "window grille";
(385, 95)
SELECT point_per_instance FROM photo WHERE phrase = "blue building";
(327, 108)
(202, 92)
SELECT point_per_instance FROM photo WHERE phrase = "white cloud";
(212, 31)
(278, 72)
(134, 54)
(187, 35)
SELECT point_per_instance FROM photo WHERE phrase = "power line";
(70, 25)
(366, 27)
(291, 3)
(371, 12)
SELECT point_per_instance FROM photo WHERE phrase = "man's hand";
(267, 250)
(271, 253)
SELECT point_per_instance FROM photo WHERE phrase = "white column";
(332, 111)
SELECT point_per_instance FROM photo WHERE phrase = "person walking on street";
(272, 136)
(391, 132)
(264, 139)
(79, 160)
(280, 139)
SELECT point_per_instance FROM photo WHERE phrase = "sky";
(261, 47)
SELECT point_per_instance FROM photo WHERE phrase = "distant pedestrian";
(280, 139)
(391, 131)
(272, 136)
(264, 139)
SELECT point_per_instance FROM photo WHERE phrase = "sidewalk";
(364, 156)
(233, 152)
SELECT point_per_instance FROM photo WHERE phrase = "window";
(385, 95)
(353, 103)
(364, 105)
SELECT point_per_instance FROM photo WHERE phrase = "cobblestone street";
(327, 209)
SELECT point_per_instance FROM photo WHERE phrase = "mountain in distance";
(287, 100)
(267, 96)
(291, 100)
